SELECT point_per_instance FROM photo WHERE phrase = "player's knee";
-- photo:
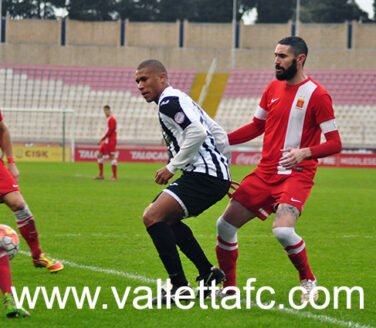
(17, 204)
(286, 235)
(226, 230)
(148, 218)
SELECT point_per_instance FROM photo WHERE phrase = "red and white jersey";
(1, 116)
(295, 116)
(110, 130)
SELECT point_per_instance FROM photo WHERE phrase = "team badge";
(179, 117)
(300, 103)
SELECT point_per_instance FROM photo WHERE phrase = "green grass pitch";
(96, 228)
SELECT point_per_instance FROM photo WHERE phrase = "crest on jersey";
(179, 117)
(300, 103)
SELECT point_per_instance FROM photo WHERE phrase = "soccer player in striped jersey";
(199, 148)
(292, 113)
(108, 145)
(10, 194)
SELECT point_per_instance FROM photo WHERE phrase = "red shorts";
(261, 197)
(7, 182)
(108, 148)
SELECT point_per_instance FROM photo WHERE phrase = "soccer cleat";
(221, 294)
(99, 177)
(11, 311)
(309, 285)
(215, 274)
(112, 178)
(171, 294)
(46, 262)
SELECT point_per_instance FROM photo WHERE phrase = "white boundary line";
(323, 318)
(132, 276)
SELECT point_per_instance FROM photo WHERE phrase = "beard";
(288, 73)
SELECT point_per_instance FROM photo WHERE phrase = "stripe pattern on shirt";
(176, 112)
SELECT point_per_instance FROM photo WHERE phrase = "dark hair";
(155, 64)
(297, 45)
(106, 107)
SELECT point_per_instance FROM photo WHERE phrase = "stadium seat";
(353, 93)
(86, 90)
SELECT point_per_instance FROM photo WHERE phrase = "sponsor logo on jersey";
(165, 102)
(179, 117)
(274, 100)
(300, 103)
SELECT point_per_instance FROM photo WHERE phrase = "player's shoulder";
(1, 116)
(319, 90)
(171, 101)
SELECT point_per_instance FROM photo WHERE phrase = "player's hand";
(12, 168)
(163, 175)
(99, 142)
(293, 156)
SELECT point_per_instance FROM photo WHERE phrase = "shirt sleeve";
(194, 136)
(326, 119)
(1, 116)
(171, 107)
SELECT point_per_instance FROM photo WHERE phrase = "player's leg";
(26, 226)
(5, 277)
(250, 199)
(11, 310)
(235, 216)
(113, 166)
(158, 217)
(197, 192)
(284, 230)
(102, 151)
(100, 166)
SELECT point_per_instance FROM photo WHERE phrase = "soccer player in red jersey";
(11, 310)
(10, 194)
(292, 113)
(108, 145)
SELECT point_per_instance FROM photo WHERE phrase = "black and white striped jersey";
(195, 141)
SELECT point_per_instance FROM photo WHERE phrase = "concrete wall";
(98, 44)
(262, 36)
(93, 33)
(152, 34)
(324, 36)
(33, 31)
(364, 36)
(201, 35)
(199, 59)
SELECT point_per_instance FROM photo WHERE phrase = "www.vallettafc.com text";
(141, 297)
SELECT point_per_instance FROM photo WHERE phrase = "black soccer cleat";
(171, 295)
(215, 274)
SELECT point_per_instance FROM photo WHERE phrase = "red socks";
(227, 263)
(300, 261)
(5, 277)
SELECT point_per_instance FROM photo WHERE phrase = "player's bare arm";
(294, 156)
(6, 144)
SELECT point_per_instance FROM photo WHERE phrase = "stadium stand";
(85, 90)
(353, 93)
